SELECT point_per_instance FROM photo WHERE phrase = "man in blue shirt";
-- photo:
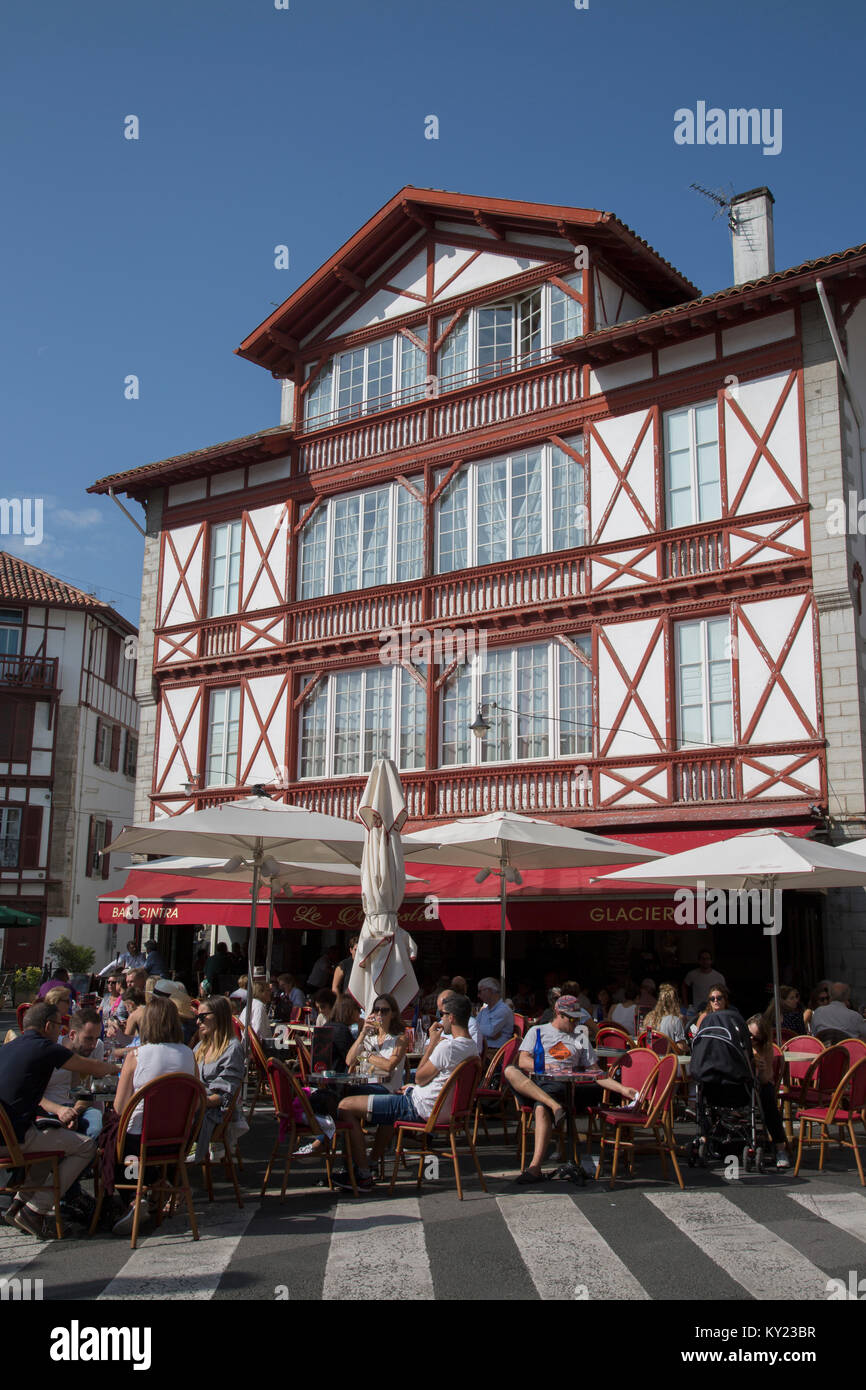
(130, 959)
(494, 1022)
(153, 961)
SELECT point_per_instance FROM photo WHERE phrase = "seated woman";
(762, 1055)
(624, 1015)
(323, 1003)
(666, 1018)
(381, 1046)
(717, 999)
(344, 1021)
(820, 995)
(161, 1052)
(793, 1019)
(602, 1005)
(261, 999)
(220, 1058)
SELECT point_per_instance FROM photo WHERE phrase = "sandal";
(558, 1116)
(527, 1178)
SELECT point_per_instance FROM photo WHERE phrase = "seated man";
(838, 1014)
(26, 1067)
(494, 1022)
(449, 1044)
(130, 959)
(84, 1116)
(563, 1040)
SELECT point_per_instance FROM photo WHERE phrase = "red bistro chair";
(238, 1027)
(258, 1071)
(173, 1106)
(855, 1047)
(651, 1115)
(11, 1158)
(661, 1043)
(20, 1011)
(502, 1092)
(847, 1105)
(450, 1116)
(521, 1023)
(609, 1035)
(790, 1089)
(635, 1070)
(220, 1136)
(287, 1092)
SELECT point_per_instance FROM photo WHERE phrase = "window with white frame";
(537, 699)
(11, 623)
(692, 475)
(508, 508)
(10, 836)
(494, 339)
(705, 712)
(361, 540)
(223, 736)
(386, 372)
(225, 569)
(353, 717)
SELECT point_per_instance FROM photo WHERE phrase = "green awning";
(12, 917)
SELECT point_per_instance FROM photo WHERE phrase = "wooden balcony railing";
(29, 672)
(615, 789)
(449, 414)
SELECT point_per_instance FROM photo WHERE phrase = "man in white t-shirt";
(449, 1044)
(701, 981)
(567, 1042)
(83, 1116)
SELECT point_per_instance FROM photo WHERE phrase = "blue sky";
(261, 127)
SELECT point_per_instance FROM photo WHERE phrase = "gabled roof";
(214, 458)
(361, 258)
(21, 582)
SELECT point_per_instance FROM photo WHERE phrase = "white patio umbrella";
(255, 833)
(506, 843)
(764, 859)
(383, 960)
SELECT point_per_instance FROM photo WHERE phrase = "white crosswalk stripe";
(170, 1264)
(766, 1266)
(564, 1254)
(378, 1251)
(17, 1251)
(847, 1210)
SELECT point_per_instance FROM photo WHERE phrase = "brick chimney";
(752, 235)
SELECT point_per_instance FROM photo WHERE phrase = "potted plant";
(25, 985)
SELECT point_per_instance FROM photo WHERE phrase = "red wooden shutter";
(114, 762)
(91, 842)
(112, 657)
(22, 738)
(106, 841)
(31, 836)
(97, 752)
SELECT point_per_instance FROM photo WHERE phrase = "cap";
(568, 1005)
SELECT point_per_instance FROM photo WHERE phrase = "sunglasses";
(717, 998)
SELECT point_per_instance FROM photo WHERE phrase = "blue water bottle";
(538, 1054)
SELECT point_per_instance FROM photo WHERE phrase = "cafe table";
(588, 1076)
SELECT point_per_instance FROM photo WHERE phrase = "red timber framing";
(633, 573)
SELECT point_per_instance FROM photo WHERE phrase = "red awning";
(548, 900)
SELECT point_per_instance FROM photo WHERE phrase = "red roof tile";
(21, 582)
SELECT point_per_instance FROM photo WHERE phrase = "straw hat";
(176, 992)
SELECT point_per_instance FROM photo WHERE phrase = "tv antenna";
(723, 201)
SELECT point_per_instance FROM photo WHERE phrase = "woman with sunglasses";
(220, 1058)
(717, 999)
(382, 1044)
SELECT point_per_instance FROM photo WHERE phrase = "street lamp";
(480, 725)
(193, 784)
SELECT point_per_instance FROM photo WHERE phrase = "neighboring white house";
(68, 753)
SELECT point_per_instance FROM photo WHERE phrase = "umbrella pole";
(774, 956)
(502, 926)
(251, 947)
(270, 950)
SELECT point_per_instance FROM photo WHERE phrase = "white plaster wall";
(757, 400)
(747, 336)
(263, 692)
(773, 620)
(179, 702)
(186, 539)
(620, 434)
(267, 591)
(629, 641)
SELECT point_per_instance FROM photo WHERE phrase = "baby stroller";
(729, 1115)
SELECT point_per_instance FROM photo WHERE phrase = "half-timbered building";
(528, 478)
(68, 757)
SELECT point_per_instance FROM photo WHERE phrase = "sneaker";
(80, 1208)
(527, 1178)
(364, 1183)
(123, 1227)
(305, 1150)
(12, 1211)
(783, 1160)
(29, 1221)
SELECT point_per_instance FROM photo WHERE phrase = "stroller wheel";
(759, 1160)
(746, 1158)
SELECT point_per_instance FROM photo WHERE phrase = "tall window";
(359, 541)
(383, 373)
(225, 569)
(11, 621)
(354, 717)
(704, 696)
(10, 836)
(494, 339)
(692, 478)
(537, 699)
(222, 737)
(512, 507)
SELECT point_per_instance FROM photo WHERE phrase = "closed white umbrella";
(506, 843)
(383, 960)
(765, 859)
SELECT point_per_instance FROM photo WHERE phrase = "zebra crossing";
(553, 1244)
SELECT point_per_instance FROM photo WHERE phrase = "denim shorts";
(384, 1110)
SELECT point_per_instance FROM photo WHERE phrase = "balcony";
(28, 673)
(463, 406)
(660, 786)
